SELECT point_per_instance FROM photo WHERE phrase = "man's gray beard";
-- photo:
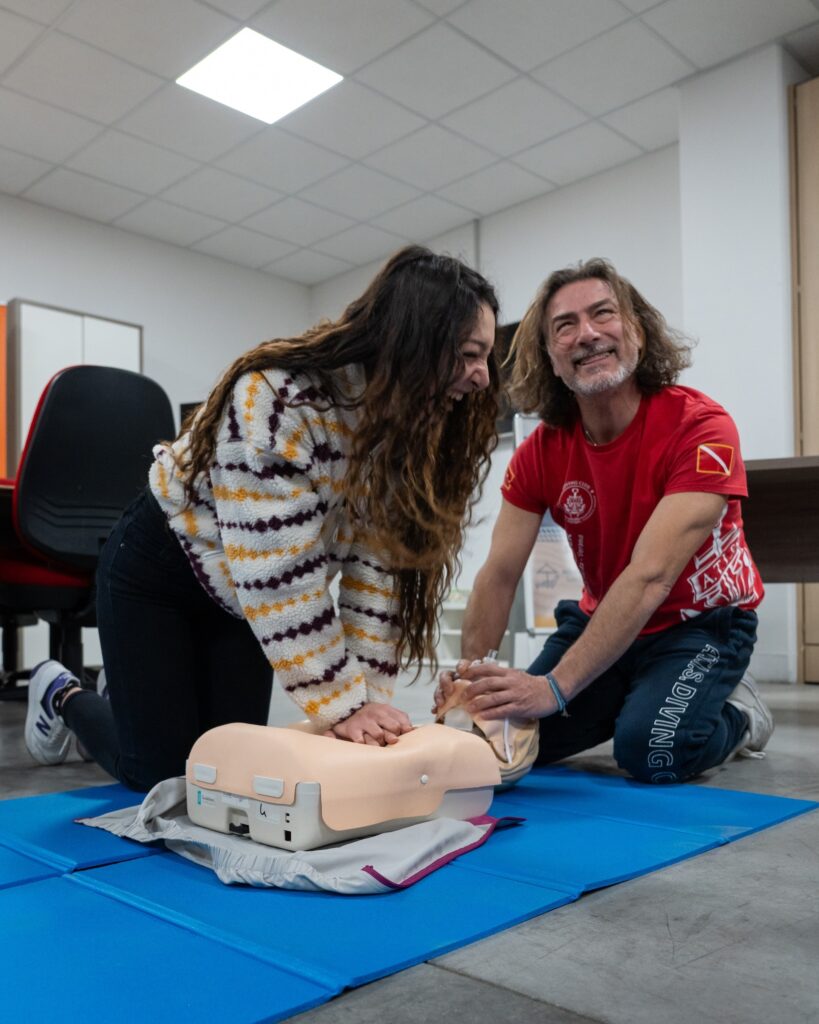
(603, 381)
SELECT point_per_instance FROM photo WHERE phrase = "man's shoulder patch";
(715, 459)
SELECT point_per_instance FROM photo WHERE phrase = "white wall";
(629, 215)
(330, 298)
(197, 312)
(734, 202)
(734, 196)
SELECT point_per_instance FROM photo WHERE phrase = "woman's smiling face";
(475, 352)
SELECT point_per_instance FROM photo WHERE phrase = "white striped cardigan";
(268, 531)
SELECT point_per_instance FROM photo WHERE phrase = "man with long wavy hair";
(645, 476)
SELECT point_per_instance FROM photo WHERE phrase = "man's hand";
(377, 725)
(447, 685)
(498, 692)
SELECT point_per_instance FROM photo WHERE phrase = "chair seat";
(17, 569)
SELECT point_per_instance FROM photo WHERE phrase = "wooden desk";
(781, 515)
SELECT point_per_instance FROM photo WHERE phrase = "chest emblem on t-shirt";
(578, 501)
(715, 458)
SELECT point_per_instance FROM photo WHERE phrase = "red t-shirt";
(680, 440)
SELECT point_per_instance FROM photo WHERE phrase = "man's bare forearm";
(612, 629)
(486, 616)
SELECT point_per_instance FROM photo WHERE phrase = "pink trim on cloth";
(482, 820)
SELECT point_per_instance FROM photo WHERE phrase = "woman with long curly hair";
(357, 448)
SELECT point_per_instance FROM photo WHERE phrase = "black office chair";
(86, 458)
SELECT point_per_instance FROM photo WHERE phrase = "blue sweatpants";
(663, 701)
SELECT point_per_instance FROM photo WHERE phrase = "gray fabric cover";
(397, 856)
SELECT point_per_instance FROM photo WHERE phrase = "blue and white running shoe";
(47, 736)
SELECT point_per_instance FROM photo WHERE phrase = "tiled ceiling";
(449, 110)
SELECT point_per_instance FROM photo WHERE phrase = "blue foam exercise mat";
(43, 828)
(18, 869)
(69, 954)
(560, 849)
(211, 941)
(335, 940)
(710, 813)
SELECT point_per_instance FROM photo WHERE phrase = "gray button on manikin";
(264, 786)
(204, 773)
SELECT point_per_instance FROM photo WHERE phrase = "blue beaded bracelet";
(561, 700)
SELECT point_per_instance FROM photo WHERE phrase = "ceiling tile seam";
(259, 267)
(293, 133)
(572, 49)
(31, 156)
(225, 14)
(314, 252)
(31, 17)
(287, 241)
(400, 240)
(209, 166)
(113, 56)
(594, 117)
(560, 135)
(31, 184)
(155, 199)
(143, 196)
(82, 117)
(45, 31)
(140, 67)
(531, 78)
(630, 17)
(610, 128)
(117, 125)
(667, 42)
(378, 56)
(428, 194)
(434, 14)
(416, 131)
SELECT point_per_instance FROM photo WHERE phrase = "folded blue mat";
(167, 929)
(116, 963)
(17, 869)
(43, 828)
(336, 940)
(576, 852)
(721, 814)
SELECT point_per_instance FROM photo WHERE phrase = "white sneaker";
(47, 736)
(747, 699)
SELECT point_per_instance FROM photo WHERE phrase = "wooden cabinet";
(805, 223)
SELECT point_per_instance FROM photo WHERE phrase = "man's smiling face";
(591, 347)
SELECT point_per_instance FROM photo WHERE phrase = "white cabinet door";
(50, 339)
(107, 343)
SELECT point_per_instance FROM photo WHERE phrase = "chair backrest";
(86, 458)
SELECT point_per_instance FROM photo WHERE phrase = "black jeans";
(663, 701)
(176, 663)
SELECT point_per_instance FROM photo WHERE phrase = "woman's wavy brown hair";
(535, 388)
(418, 458)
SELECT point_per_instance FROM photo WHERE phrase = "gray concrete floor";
(731, 936)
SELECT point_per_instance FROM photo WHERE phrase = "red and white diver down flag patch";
(715, 458)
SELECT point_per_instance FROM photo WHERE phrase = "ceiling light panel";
(259, 77)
